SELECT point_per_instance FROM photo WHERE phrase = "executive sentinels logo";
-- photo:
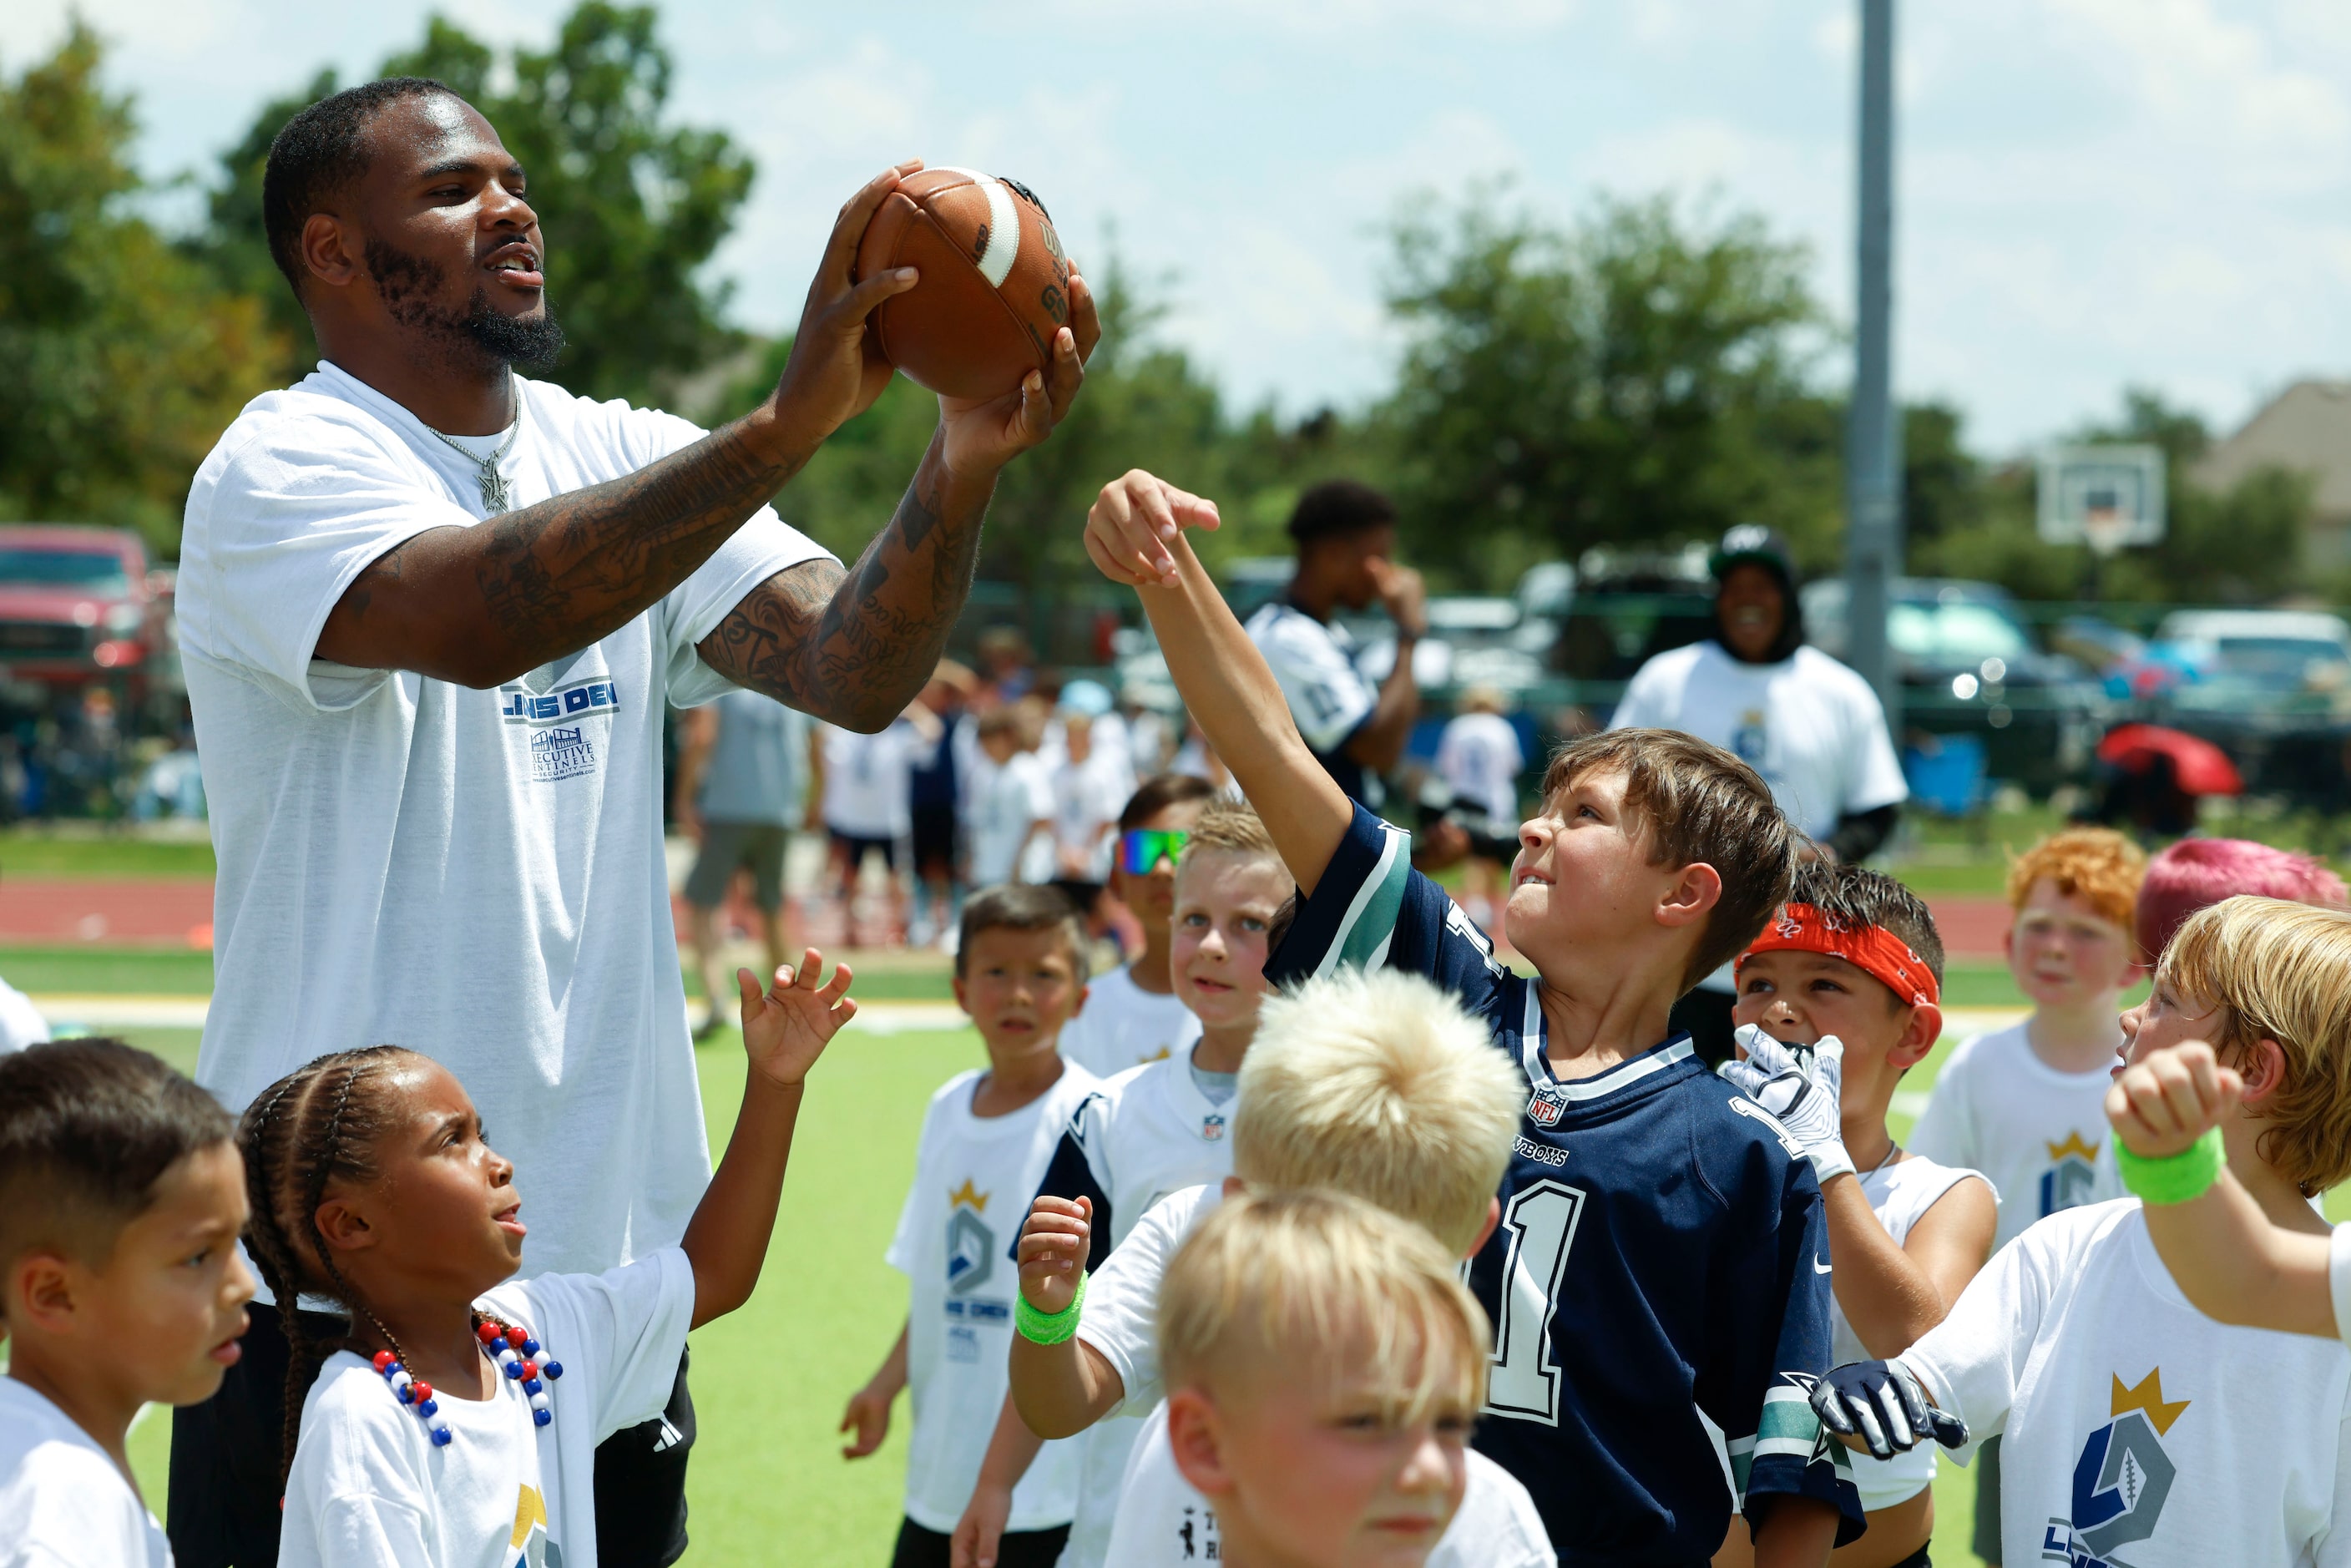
(2121, 1480)
(2072, 1175)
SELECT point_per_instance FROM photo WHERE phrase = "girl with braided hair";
(456, 1423)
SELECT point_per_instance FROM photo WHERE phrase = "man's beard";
(409, 285)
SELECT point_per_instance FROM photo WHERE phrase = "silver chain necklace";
(494, 483)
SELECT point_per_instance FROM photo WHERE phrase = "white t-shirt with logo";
(1123, 1026)
(62, 1502)
(1809, 725)
(1479, 756)
(2036, 1133)
(1164, 1522)
(1146, 1133)
(973, 1179)
(2133, 1429)
(1899, 1195)
(475, 874)
(867, 789)
(1007, 802)
(369, 1489)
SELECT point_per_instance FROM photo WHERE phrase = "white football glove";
(1802, 1087)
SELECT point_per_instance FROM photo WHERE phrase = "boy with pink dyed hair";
(2197, 873)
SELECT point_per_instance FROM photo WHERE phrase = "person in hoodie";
(1809, 725)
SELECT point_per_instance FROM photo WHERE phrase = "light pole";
(1873, 434)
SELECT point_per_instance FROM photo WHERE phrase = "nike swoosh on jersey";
(1820, 1268)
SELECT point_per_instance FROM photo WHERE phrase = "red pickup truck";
(79, 604)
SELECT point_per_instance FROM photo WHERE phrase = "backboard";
(2104, 497)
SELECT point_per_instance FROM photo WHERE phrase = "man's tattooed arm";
(855, 647)
(482, 605)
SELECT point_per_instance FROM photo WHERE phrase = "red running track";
(180, 913)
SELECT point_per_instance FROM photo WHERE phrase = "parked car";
(2272, 688)
(81, 604)
(1625, 607)
(1969, 666)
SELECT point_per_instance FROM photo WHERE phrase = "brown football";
(995, 286)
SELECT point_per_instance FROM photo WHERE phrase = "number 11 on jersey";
(1524, 1382)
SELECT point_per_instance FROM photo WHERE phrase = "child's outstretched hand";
(2161, 1105)
(1133, 522)
(1053, 1249)
(786, 1029)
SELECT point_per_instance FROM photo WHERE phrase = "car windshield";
(86, 569)
(2276, 658)
(1954, 631)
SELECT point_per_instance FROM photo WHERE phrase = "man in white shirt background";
(1809, 725)
(430, 612)
(1346, 536)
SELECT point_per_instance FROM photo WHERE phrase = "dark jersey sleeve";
(1371, 909)
(1772, 1317)
(1072, 1173)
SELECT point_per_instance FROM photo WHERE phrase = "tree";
(1635, 379)
(633, 209)
(120, 359)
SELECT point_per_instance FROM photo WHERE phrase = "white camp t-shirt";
(1479, 756)
(1007, 802)
(475, 874)
(867, 789)
(1809, 725)
(973, 1179)
(1123, 1026)
(2036, 1133)
(21, 1023)
(2134, 1429)
(369, 1489)
(1314, 662)
(1899, 1195)
(62, 1502)
(1146, 1133)
(1087, 799)
(1163, 1519)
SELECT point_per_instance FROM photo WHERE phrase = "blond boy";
(2137, 1429)
(1659, 1282)
(1852, 969)
(1377, 1085)
(1326, 1365)
(1157, 1128)
(121, 1197)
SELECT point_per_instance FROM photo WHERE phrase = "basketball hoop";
(2105, 529)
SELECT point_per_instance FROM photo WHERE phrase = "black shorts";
(856, 848)
(727, 847)
(935, 840)
(921, 1548)
(224, 1491)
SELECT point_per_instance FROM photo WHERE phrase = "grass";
(95, 970)
(86, 850)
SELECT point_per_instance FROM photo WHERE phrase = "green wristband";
(2173, 1178)
(1048, 1328)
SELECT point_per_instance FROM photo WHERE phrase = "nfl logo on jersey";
(1544, 1109)
(1212, 1128)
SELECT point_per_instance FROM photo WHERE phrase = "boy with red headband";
(1842, 990)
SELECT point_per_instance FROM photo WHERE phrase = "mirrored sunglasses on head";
(1140, 849)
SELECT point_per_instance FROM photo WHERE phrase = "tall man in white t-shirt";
(1346, 535)
(430, 611)
(1808, 723)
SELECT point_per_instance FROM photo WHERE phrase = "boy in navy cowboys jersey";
(1659, 1284)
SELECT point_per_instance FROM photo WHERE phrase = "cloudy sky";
(2092, 193)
